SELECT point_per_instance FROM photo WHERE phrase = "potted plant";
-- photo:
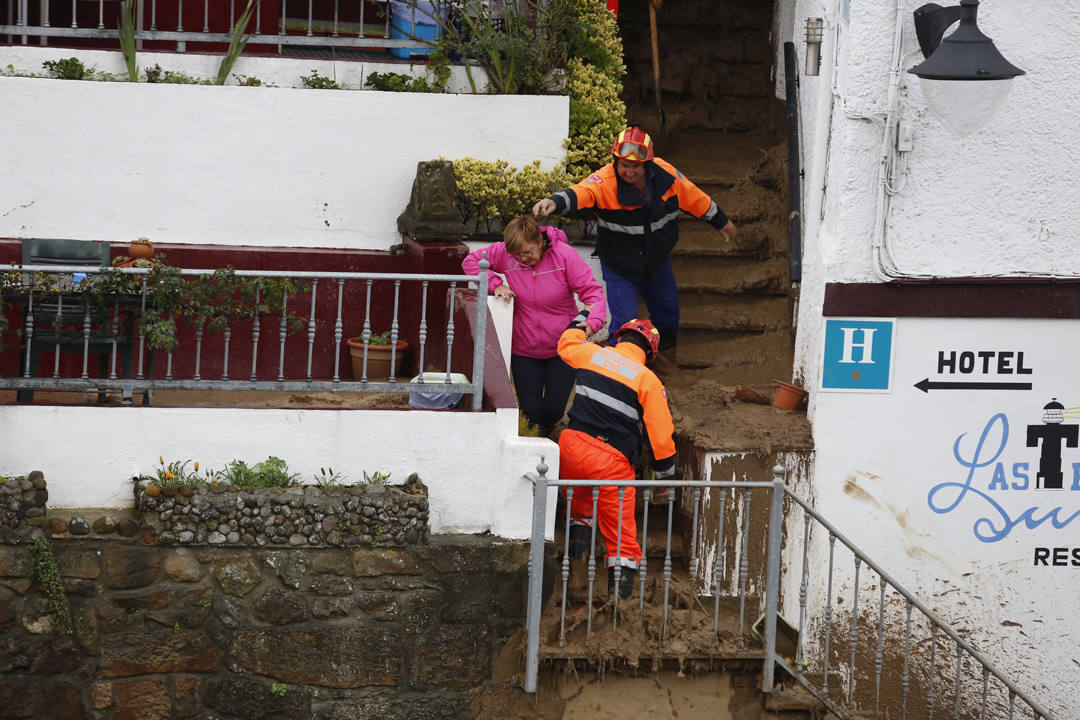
(379, 352)
(141, 249)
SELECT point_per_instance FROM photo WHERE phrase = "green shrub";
(315, 81)
(67, 69)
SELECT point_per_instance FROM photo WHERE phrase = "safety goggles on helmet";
(645, 329)
(632, 151)
(633, 144)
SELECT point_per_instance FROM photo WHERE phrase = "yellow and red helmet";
(633, 144)
(647, 330)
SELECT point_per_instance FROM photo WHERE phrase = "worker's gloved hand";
(660, 494)
(581, 322)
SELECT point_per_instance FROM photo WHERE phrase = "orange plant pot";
(140, 251)
(787, 396)
(378, 360)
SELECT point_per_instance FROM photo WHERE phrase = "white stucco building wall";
(265, 166)
(889, 467)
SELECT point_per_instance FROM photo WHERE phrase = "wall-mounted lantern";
(815, 29)
(964, 78)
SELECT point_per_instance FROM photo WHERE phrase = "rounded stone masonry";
(305, 516)
(22, 506)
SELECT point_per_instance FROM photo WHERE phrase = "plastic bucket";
(437, 400)
(408, 22)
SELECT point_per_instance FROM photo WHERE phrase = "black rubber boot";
(626, 581)
(580, 535)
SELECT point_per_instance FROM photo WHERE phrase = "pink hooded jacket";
(544, 304)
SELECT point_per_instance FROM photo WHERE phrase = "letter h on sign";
(858, 354)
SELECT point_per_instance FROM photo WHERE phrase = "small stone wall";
(22, 506)
(379, 515)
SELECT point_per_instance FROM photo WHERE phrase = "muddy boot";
(580, 535)
(626, 581)
(666, 362)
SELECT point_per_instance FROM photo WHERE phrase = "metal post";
(480, 339)
(536, 576)
(772, 578)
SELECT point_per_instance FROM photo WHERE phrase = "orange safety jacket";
(615, 395)
(634, 238)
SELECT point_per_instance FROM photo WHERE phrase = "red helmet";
(633, 144)
(646, 329)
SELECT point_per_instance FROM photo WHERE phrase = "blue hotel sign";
(858, 355)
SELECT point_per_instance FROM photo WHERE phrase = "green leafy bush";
(67, 69)
(399, 82)
(315, 81)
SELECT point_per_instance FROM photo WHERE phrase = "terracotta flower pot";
(140, 250)
(378, 359)
(787, 396)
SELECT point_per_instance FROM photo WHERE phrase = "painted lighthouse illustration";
(1052, 432)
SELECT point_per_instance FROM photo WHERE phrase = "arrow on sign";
(926, 385)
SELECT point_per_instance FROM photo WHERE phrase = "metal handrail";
(772, 660)
(141, 383)
(1038, 710)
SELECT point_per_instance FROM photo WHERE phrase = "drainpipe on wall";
(815, 186)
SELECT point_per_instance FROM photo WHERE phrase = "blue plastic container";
(402, 25)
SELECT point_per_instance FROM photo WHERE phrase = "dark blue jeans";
(543, 388)
(660, 295)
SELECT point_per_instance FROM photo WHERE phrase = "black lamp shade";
(967, 54)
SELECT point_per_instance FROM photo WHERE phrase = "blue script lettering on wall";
(998, 523)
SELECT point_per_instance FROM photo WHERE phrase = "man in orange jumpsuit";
(615, 396)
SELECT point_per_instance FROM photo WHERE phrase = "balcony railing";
(346, 24)
(251, 330)
(845, 640)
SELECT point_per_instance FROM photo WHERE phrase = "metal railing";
(338, 34)
(846, 677)
(130, 310)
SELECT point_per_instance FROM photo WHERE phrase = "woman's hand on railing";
(503, 293)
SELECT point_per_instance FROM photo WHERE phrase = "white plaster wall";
(241, 165)
(894, 473)
(472, 463)
(998, 202)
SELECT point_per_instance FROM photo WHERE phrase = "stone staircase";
(724, 129)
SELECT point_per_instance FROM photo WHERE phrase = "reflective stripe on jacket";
(615, 395)
(544, 295)
(633, 238)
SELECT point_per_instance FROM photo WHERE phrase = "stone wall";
(383, 515)
(249, 632)
(22, 505)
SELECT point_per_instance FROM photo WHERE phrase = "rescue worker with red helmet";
(637, 199)
(616, 399)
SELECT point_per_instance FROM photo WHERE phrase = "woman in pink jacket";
(542, 275)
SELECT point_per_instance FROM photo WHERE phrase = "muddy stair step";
(767, 237)
(731, 276)
(726, 159)
(734, 358)
(710, 311)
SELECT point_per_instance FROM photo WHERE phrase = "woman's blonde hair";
(521, 231)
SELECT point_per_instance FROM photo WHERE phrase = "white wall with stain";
(998, 203)
(263, 166)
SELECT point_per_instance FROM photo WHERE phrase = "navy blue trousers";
(543, 387)
(660, 295)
